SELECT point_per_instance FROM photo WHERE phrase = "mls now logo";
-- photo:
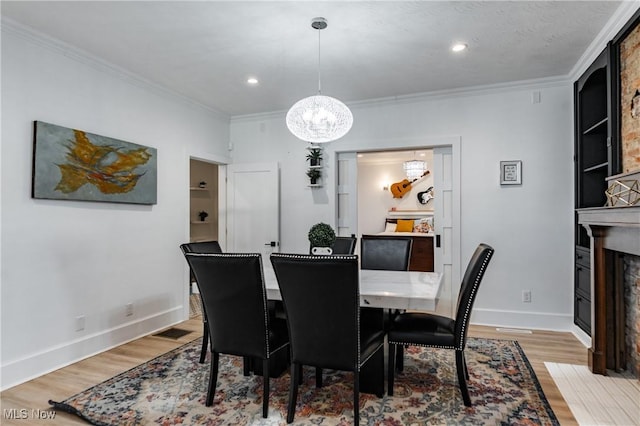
(15, 413)
(23, 414)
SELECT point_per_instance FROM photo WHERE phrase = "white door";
(347, 202)
(446, 246)
(253, 202)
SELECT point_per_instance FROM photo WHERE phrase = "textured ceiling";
(205, 50)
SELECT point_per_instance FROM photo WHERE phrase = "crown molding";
(533, 84)
(10, 27)
(620, 17)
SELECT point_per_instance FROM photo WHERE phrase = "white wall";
(63, 259)
(530, 226)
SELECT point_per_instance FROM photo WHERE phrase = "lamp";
(414, 168)
(319, 119)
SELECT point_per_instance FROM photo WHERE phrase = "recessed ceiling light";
(458, 47)
(252, 80)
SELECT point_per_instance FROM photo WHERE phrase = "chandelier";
(414, 168)
(319, 118)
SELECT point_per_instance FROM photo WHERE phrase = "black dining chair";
(235, 301)
(202, 247)
(322, 301)
(389, 253)
(386, 253)
(430, 330)
(345, 245)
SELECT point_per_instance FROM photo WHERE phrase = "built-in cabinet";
(203, 201)
(596, 158)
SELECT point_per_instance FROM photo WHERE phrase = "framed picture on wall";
(511, 172)
(71, 164)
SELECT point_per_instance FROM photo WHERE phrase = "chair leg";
(265, 390)
(466, 370)
(356, 398)
(247, 365)
(391, 368)
(213, 378)
(460, 367)
(318, 377)
(205, 340)
(400, 358)
(293, 391)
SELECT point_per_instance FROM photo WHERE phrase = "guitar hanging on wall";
(398, 189)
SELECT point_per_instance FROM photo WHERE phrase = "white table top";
(383, 289)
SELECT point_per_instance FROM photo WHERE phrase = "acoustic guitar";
(398, 189)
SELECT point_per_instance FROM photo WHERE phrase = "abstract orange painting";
(71, 164)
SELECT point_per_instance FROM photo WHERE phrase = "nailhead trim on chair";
(332, 256)
(264, 291)
(476, 284)
(467, 310)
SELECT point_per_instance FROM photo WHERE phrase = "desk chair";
(321, 298)
(235, 301)
(430, 330)
(202, 247)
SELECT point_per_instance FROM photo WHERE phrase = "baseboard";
(48, 360)
(584, 338)
(523, 320)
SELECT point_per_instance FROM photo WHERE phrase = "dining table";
(405, 290)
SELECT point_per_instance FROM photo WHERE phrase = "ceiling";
(206, 50)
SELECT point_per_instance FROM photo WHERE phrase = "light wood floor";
(540, 346)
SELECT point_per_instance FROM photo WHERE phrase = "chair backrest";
(468, 291)
(234, 299)
(321, 298)
(344, 245)
(201, 247)
(385, 252)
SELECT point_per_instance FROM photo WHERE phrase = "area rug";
(171, 389)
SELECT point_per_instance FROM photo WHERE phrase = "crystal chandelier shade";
(414, 168)
(319, 119)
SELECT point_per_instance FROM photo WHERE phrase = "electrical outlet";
(128, 310)
(526, 296)
(80, 322)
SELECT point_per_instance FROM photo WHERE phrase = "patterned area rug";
(171, 389)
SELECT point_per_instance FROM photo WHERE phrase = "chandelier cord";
(319, 86)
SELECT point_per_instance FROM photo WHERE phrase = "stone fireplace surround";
(615, 252)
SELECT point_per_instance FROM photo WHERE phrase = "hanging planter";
(313, 175)
(314, 157)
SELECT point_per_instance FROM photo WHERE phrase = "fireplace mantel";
(612, 229)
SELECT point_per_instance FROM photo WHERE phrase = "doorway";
(445, 173)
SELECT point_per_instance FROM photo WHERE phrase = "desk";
(383, 289)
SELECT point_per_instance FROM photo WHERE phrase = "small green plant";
(313, 175)
(322, 235)
(314, 156)
(203, 215)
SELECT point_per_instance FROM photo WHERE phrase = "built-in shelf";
(597, 126)
(315, 185)
(412, 213)
(200, 222)
(197, 188)
(315, 167)
(596, 167)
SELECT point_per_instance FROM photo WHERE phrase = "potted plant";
(203, 215)
(321, 237)
(313, 175)
(314, 156)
